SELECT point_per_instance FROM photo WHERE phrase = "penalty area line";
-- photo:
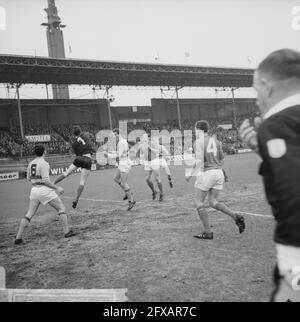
(96, 200)
(168, 206)
(256, 215)
(105, 200)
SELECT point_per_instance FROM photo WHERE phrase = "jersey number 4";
(212, 147)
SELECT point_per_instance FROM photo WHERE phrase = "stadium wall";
(164, 110)
(132, 113)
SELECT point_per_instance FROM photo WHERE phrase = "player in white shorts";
(210, 179)
(124, 167)
(44, 192)
(163, 157)
(150, 149)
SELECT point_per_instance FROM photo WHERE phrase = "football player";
(210, 179)
(151, 149)
(44, 192)
(124, 167)
(83, 150)
(163, 157)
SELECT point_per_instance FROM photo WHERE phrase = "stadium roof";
(44, 70)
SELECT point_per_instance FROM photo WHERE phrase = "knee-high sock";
(160, 187)
(204, 218)
(24, 222)
(129, 194)
(150, 184)
(64, 222)
(79, 192)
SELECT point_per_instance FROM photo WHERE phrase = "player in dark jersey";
(83, 150)
(210, 179)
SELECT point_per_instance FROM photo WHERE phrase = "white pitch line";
(256, 215)
(96, 200)
(162, 205)
(106, 200)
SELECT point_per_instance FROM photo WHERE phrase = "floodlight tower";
(56, 47)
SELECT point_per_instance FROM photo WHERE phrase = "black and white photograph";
(149, 153)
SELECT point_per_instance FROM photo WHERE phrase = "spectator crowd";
(12, 145)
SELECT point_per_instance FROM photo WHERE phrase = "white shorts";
(163, 162)
(210, 179)
(152, 165)
(124, 165)
(43, 194)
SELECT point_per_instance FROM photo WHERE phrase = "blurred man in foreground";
(276, 138)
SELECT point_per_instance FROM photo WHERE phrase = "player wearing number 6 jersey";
(44, 192)
(210, 178)
(83, 149)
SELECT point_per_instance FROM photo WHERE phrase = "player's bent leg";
(117, 179)
(168, 172)
(32, 209)
(199, 203)
(127, 189)
(124, 185)
(159, 183)
(72, 168)
(167, 169)
(150, 183)
(58, 205)
(220, 206)
(213, 196)
(83, 178)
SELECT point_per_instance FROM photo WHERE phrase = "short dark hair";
(202, 125)
(39, 150)
(282, 64)
(76, 130)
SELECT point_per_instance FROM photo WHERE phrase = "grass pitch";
(149, 250)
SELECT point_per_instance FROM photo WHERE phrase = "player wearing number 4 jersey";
(210, 179)
(82, 148)
(44, 192)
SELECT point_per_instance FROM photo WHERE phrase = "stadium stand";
(12, 144)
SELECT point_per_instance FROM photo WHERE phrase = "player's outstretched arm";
(46, 181)
(53, 186)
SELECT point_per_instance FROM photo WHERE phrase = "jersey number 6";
(33, 170)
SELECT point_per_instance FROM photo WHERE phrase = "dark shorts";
(83, 162)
